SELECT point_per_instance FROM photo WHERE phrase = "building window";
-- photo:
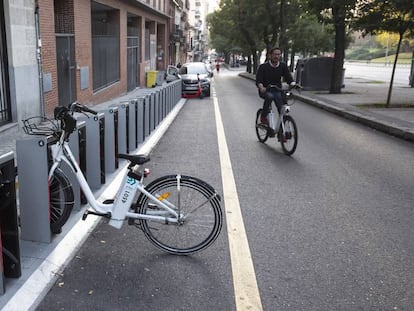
(105, 46)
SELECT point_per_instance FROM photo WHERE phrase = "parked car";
(171, 74)
(190, 73)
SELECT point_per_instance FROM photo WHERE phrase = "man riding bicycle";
(271, 73)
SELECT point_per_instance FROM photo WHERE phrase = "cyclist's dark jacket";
(266, 74)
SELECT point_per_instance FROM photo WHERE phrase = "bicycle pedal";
(87, 212)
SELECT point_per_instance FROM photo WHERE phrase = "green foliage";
(259, 24)
(363, 53)
(393, 16)
(311, 37)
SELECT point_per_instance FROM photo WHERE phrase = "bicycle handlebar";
(76, 107)
(273, 86)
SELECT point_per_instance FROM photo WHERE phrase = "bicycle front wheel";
(289, 137)
(261, 129)
(61, 200)
(198, 205)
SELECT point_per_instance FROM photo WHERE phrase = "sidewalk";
(357, 102)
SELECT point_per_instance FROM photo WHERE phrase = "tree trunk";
(393, 71)
(283, 42)
(338, 12)
(255, 61)
(249, 64)
(292, 61)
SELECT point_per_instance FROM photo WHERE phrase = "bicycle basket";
(41, 126)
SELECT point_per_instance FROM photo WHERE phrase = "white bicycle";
(179, 214)
(284, 128)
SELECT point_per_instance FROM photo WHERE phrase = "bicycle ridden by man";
(271, 73)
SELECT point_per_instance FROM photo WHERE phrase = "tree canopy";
(393, 16)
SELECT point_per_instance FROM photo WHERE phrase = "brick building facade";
(70, 30)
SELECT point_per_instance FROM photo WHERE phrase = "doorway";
(66, 68)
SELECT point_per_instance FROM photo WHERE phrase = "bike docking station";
(32, 163)
(95, 149)
(10, 266)
(120, 126)
(111, 139)
(130, 118)
(77, 143)
(121, 123)
(141, 119)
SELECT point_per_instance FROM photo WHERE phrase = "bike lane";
(121, 270)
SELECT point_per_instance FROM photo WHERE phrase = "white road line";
(246, 291)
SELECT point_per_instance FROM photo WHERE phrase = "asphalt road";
(329, 228)
(378, 72)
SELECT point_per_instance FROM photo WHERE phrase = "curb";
(358, 116)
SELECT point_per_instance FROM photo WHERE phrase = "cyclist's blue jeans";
(269, 96)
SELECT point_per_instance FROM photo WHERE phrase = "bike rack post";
(140, 118)
(111, 155)
(169, 98)
(32, 163)
(156, 107)
(132, 126)
(161, 103)
(77, 141)
(95, 149)
(122, 127)
(178, 91)
(147, 115)
(152, 112)
(9, 233)
(164, 102)
(136, 142)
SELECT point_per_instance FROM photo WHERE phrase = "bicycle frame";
(118, 211)
(284, 112)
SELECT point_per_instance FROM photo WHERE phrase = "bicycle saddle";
(137, 159)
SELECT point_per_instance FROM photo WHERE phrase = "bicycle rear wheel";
(61, 200)
(262, 131)
(196, 201)
(289, 138)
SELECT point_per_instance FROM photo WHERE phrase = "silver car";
(190, 73)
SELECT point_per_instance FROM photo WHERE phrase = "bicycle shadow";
(274, 148)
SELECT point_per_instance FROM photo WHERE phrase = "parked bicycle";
(284, 127)
(178, 214)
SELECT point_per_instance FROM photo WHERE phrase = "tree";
(311, 37)
(339, 13)
(394, 16)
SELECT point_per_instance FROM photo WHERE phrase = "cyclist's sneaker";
(264, 120)
(272, 132)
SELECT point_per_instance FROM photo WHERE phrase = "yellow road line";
(246, 291)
